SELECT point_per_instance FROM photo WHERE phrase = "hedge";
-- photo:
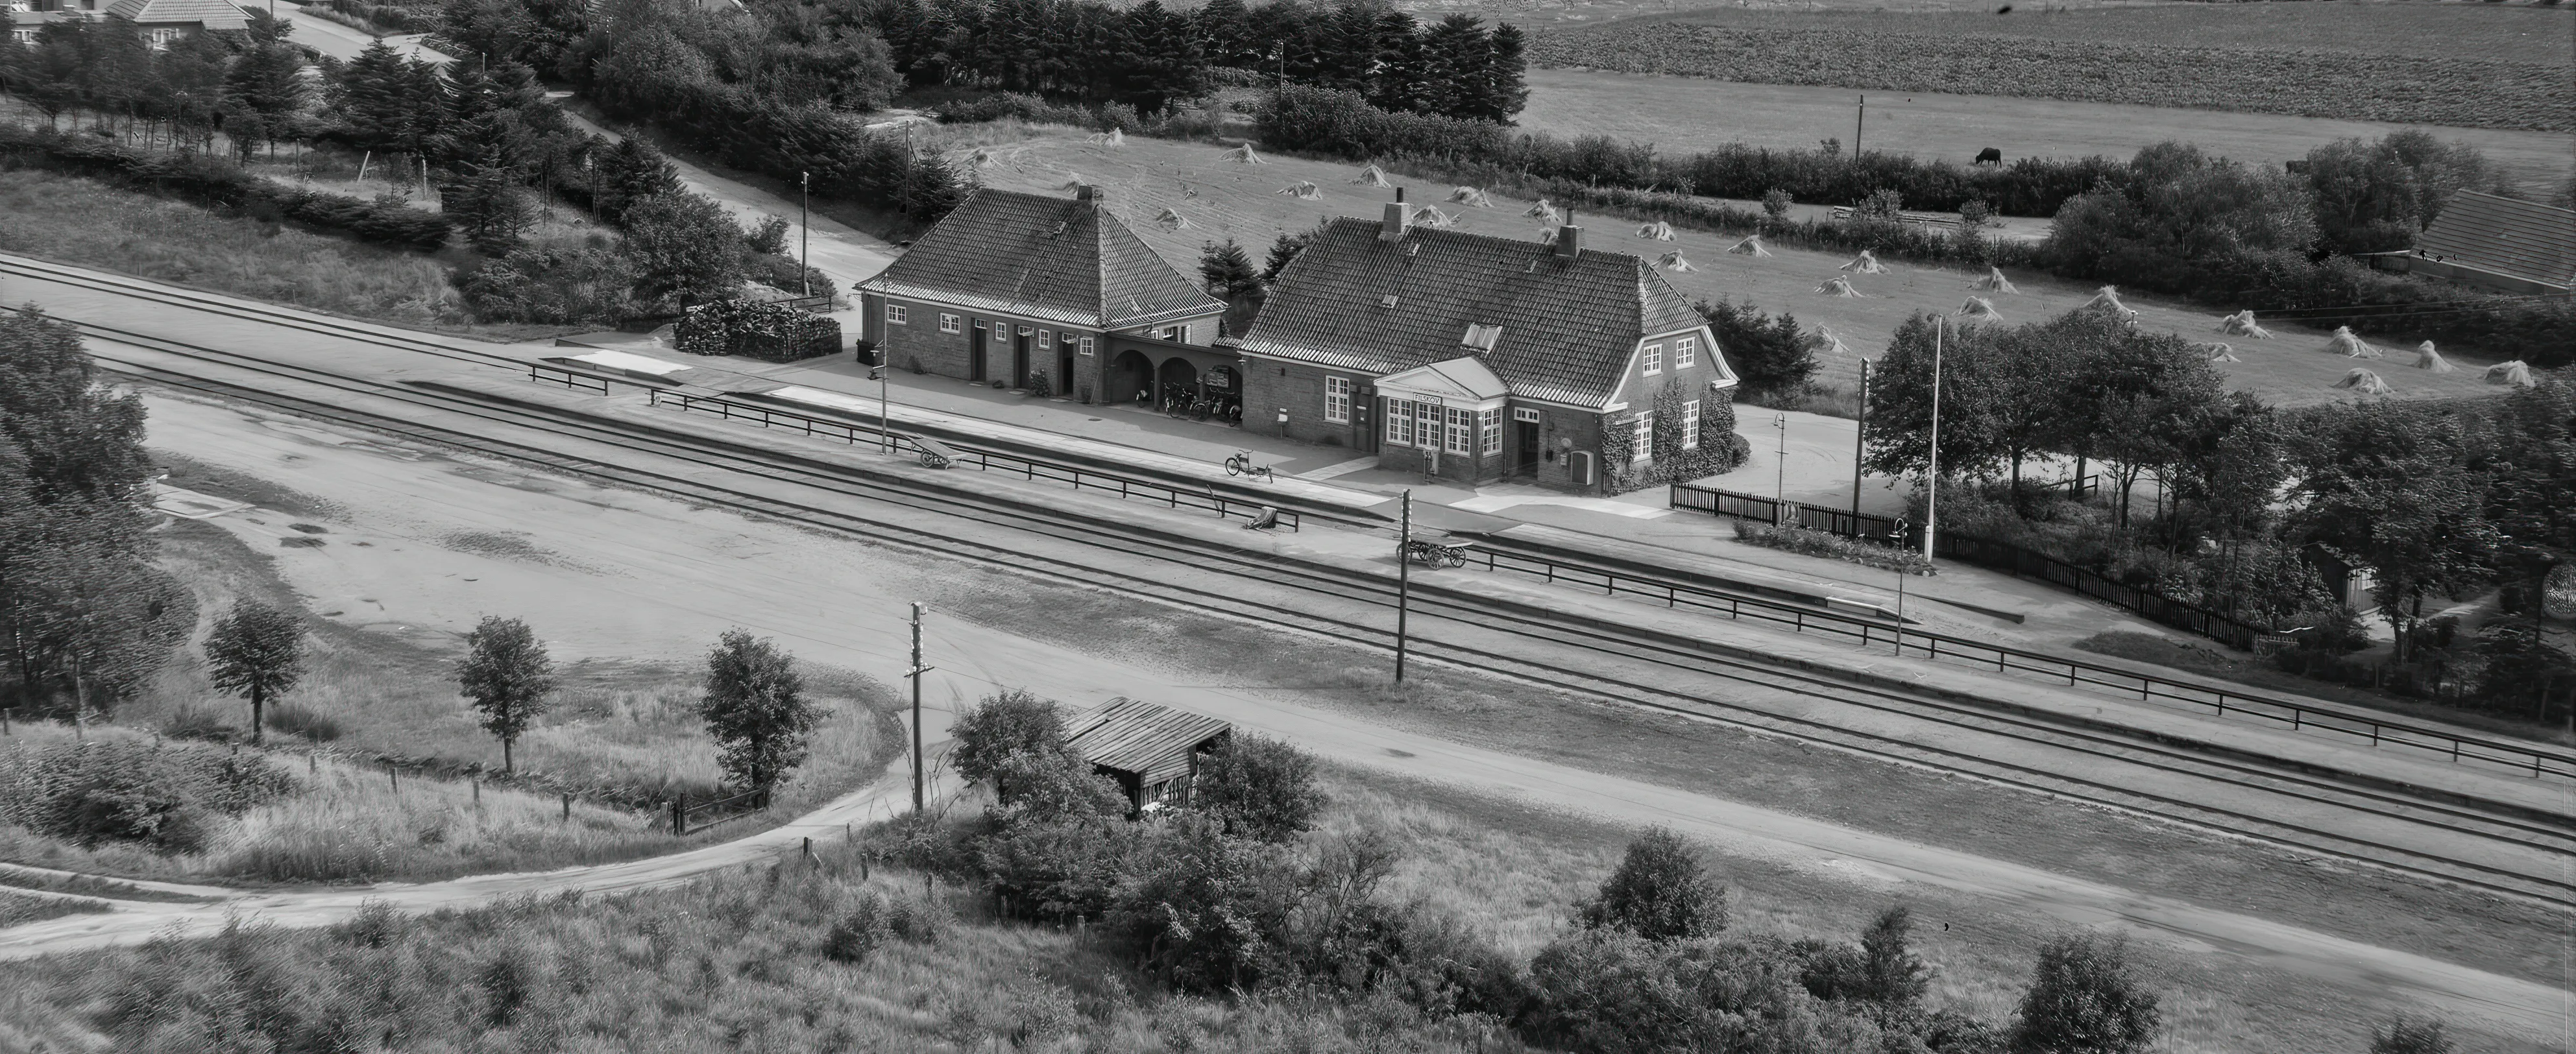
(1342, 122)
(210, 181)
(769, 332)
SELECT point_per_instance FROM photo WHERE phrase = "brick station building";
(1055, 295)
(1475, 358)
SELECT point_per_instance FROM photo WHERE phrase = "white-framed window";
(1337, 400)
(1685, 352)
(951, 324)
(1179, 333)
(1462, 432)
(1653, 357)
(1690, 425)
(1086, 345)
(1489, 432)
(1399, 422)
(1524, 413)
(899, 315)
(1026, 331)
(1046, 340)
(1645, 447)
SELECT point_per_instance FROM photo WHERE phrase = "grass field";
(1683, 115)
(1221, 200)
(2441, 64)
(17, 909)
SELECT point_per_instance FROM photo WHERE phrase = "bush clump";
(769, 332)
(552, 284)
(874, 918)
(1831, 546)
(165, 797)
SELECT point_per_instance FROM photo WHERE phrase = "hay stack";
(1832, 345)
(1243, 155)
(2220, 351)
(1865, 263)
(1979, 309)
(2242, 324)
(1431, 216)
(1544, 211)
(2516, 373)
(1838, 286)
(1656, 231)
(2364, 382)
(2109, 297)
(1173, 221)
(981, 157)
(1750, 246)
(1995, 282)
(1471, 197)
(1675, 261)
(1372, 176)
(1112, 138)
(2428, 359)
(1304, 190)
(2344, 343)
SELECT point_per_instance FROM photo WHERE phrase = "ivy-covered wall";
(1719, 450)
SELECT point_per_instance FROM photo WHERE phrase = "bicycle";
(1241, 465)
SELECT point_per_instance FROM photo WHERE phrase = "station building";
(1474, 358)
(1052, 295)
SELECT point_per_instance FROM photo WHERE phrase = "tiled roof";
(1460, 378)
(1155, 742)
(2520, 238)
(1043, 257)
(212, 14)
(1568, 325)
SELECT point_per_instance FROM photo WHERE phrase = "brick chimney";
(1569, 238)
(1088, 193)
(1395, 219)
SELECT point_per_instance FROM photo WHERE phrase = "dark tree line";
(1150, 56)
(247, 85)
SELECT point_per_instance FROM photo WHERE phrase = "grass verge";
(18, 909)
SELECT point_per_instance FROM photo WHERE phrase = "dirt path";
(621, 573)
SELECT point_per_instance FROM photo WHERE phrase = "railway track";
(1459, 615)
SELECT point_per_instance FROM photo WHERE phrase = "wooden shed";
(1152, 751)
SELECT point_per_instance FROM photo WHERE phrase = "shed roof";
(211, 14)
(1568, 325)
(1064, 259)
(1154, 742)
(2524, 239)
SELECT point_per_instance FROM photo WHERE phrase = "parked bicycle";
(1241, 465)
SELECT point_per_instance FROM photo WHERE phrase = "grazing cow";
(1990, 156)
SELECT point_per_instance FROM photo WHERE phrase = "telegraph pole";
(1859, 117)
(1932, 479)
(1860, 444)
(805, 231)
(917, 670)
(1403, 580)
(1780, 473)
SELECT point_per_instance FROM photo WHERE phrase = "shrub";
(1025, 107)
(1206, 913)
(1001, 725)
(2084, 999)
(2410, 1035)
(552, 284)
(162, 797)
(1832, 547)
(769, 238)
(1660, 892)
(769, 332)
(297, 721)
(1258, 788)
(874, 918)
(1059, 870)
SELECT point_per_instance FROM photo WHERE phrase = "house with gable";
(164, 21)
(1051, 295)
(1473, 358)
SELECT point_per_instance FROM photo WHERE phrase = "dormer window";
(1388, 301)
(1481, 338)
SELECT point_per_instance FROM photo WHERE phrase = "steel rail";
(1340, 586)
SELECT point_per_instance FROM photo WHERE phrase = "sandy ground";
(604, 572)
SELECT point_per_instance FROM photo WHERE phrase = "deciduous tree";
(2085, 998)
(1660, 892)
(257, 651)
(508, 675)
(756, 709)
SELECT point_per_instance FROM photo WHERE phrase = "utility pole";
(885, 424)
(1860, 444)
(1403, 580)
(804, 232)
(917, 670)
(1860, 117)
(1932, 478)
(1780, 473)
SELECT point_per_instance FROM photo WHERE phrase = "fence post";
(567, 806)
(680, 815)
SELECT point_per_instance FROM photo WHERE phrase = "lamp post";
(1780, 472)
(804, 232)
(1932, 477)
(1896, 539)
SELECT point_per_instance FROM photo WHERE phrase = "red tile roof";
(211, 14)
(1043, 257)
(1569, 326)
